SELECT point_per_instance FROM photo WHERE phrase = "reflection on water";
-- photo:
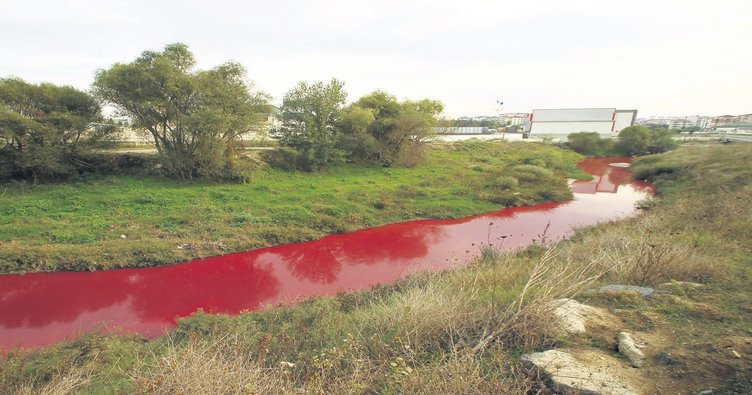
(43, 308)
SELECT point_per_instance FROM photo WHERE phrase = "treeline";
(318, 129)
(196, 119)
(632, 141)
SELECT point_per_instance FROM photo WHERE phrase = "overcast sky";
(660, 57)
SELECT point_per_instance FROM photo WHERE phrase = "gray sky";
(660, 57)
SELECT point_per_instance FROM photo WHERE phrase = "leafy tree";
(400, 130)
(45, 129)
(639, 140)
(634, 140)
(662, 141)
(195, 117)
(354, 136)
(310, 116)
(589, 143)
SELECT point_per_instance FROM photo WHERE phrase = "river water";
(43, 308)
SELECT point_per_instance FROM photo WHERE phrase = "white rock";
(123, 236)
(569, 374)
(629, 347)
(571, 315)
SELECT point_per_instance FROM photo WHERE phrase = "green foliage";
(196, 118)
(376, 128)
(46, 129)
(380, 128)
(639, 140)
(310, 114)
(505, 182)
(589, 143)
(531, 173)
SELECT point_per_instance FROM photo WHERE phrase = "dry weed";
(197, 368)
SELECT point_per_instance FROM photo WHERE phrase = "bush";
(389, 131)
(589, 143)
(286, 158)
(531, 173)
(639, 140)
(505, 182)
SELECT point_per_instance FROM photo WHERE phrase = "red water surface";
(42, 308)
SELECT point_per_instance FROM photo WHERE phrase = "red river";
(37, 309)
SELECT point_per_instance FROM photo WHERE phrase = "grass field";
(129, 221)
(463, 331)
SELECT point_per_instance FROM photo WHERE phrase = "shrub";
(531, 173)
(286, 158)
(639, 140)
(589, 143)
(399, 131)
(505, 182)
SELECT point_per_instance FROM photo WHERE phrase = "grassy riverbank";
(128, 221)
(463, 331)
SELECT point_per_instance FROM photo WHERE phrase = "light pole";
(501, 118)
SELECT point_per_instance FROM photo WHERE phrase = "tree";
(310, 116)
(45, 129)
(400, 130)
(589, 143)
(639, 140)
(354, 137)
(662, 141)
(195, 117)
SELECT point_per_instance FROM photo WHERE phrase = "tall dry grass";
(62, 383)
(198, 367)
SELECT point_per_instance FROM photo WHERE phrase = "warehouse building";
(607, 122)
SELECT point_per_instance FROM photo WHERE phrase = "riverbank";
(132, 300)
(127, 221)
(463, 331)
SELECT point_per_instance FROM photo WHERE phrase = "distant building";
(604, 121)
(738, 127)
(463, 130)
(679, 123)
(699, 121)
(724, 120)
(515, 118)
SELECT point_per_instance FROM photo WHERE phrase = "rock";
(666, 359)
(123, 236)
(644, 291)
(630, 349)
(602, 375)
(571, 315)
(682, 285)
(705, 392)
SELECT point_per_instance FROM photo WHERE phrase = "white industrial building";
(561, 122)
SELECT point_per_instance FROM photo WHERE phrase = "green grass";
(78, 225)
